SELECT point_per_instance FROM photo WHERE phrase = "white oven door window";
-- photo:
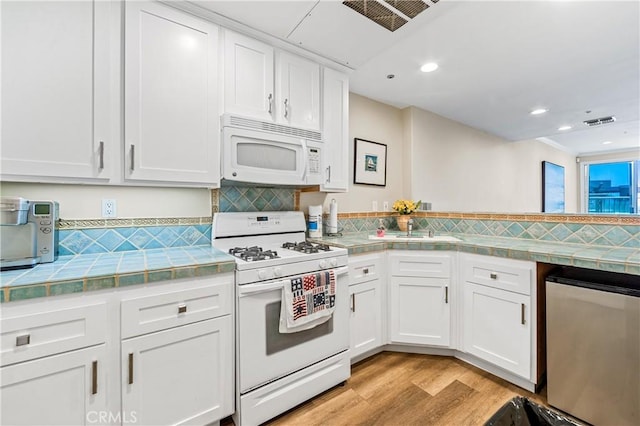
(265, 353)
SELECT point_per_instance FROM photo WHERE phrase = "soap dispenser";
(380, 230)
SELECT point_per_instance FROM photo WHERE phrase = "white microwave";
(263, 157)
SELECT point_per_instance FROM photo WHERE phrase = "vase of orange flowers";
(405, 208)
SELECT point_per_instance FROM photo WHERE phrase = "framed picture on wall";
(370, 164)
(552, 188)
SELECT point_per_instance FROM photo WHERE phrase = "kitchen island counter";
(606, 258)
(89, 272)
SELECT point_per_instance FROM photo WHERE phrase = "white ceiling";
(498, 61)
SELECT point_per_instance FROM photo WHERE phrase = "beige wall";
(460, 168)
(376, 122)
(85, 201)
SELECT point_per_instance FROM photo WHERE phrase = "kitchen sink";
(415, 237)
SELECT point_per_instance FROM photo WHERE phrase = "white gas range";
(276, 371)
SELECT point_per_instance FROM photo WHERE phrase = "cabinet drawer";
(28, 335)
(420, 265)
(146, 314)
(365, 268)
(512, 275)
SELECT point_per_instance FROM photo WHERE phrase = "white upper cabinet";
(171, 97)
(56, 91)
(271, 86)
(335, 130)
(248, 77)
(298, 91)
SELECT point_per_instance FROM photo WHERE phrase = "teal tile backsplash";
(250, 199)
(568, 232)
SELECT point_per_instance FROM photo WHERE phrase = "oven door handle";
(247, 289)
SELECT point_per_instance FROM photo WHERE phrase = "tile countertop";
(87, 272)
(614, 259)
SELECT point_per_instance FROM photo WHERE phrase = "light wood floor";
(408, 389)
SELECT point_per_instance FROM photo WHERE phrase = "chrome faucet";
(409, 227)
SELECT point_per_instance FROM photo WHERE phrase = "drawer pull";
(94, 377)
(130, 381)
(353, 302)
(25, 339)
(182, 309)
(446, 294)
(365, 271)
(522, 311)
(493, 276)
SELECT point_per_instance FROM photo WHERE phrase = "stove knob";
(323, 264)
(277, 272)
(334, 262)
(262, 274)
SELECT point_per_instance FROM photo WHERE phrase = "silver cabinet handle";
(353, 302)
(522, 311)
(286, 108)
(270, 99)
(493, 276)
(133, 157)
(328, 173)
(182, 309)
(130, 381)
(101, 159)
(94, 377)
(22, 340)
(446, 294)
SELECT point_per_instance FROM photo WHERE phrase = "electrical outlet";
(374, 206)
(385, 206)
(108, 208)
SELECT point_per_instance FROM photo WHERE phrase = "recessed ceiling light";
(562, 128)
(429, 66)
(607, 143)
(538, 111)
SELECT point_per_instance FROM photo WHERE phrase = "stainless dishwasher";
(593, 345)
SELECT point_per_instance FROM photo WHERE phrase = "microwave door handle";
(305, 160)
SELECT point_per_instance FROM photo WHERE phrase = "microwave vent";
(249, 123)
(599, 121)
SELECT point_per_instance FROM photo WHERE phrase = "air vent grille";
(377, 13)
(411, 8)
(599, 121)
(249, 123)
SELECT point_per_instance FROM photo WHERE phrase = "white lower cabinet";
(498, 321)
(420, 298)
(62, 358)
(365, 291)
(63, 389)
(179, 376)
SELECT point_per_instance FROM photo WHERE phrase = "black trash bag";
(519, 411)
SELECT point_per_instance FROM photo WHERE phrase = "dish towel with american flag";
(307, 301)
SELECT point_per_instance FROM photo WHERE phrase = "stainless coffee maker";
(28, 232)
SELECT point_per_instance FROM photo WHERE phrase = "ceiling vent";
(390, 14)
(599, 121)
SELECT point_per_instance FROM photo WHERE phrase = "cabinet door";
(248, 77)
(365, 320)
(56, 91)
(181, 375)
(335, 131)
(171, 115)
(497, 327)
(420, 310)
(65, 389)
(297, 91)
